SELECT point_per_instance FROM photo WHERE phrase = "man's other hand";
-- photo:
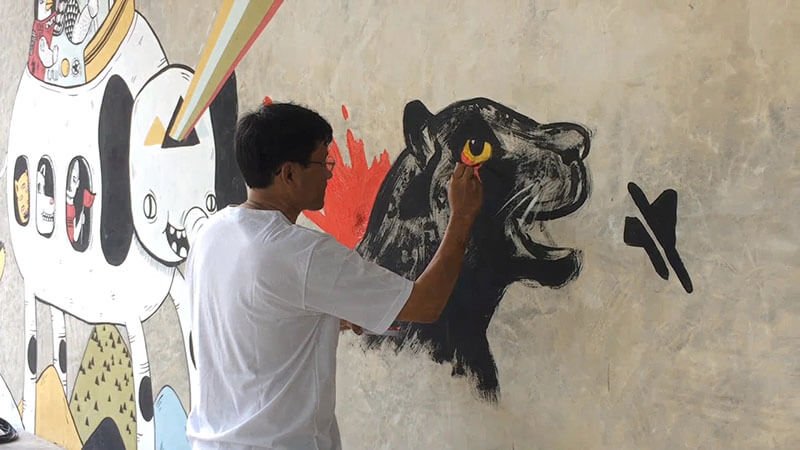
(345, 325)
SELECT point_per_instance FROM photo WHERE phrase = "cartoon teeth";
(178, 241)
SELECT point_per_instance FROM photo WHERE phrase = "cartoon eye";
(149, 206)
(476, 152)
(211, 202)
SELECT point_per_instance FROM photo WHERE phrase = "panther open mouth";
(178, 240)
(530, 237)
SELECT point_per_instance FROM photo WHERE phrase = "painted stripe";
(240, 27)
(216, 32)
(228, 23)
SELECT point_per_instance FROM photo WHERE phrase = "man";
(268, 295)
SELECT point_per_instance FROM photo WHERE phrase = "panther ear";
(415, 120)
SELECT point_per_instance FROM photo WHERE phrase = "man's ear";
(285, 173)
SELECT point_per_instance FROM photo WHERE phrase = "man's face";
(315, 178)
(23, 197)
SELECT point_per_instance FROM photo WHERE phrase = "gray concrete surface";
(29, 441)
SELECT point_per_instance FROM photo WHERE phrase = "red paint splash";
(351, 191)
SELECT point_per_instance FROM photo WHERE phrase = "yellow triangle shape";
(156, 134)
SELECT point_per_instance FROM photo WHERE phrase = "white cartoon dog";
(117, 202)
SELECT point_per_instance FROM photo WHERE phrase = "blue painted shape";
(170, 420)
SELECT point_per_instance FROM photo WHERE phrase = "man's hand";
(345, 325)
(465, 194)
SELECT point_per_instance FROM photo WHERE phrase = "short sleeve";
(341, 283)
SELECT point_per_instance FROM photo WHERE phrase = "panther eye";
(476, 152)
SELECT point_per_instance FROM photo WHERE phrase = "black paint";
(62, 355)
(661, 217)
(636, 235)
(146, 398)
(191, 139)
(410, 215)
(228, 182)
(32, 355)
(113, 140)
(105, 437)
(191, 350)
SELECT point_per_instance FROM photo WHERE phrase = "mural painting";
(532, 173)
(117, 204)
(661, 216)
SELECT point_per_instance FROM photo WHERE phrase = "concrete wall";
(695, 101)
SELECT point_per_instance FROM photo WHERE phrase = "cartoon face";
(172, 183)
(45, 201)
(44, 8)
(22, 197)
(79, 200)
(73, 178)
(62, 31)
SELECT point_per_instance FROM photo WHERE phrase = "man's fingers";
(459, 170)
(345, 325)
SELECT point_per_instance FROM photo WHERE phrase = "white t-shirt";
(266, 299)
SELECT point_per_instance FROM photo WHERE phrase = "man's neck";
(266, 199)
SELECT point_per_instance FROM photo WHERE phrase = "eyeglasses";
(328, 163)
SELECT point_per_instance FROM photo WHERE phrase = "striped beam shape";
(238, 24)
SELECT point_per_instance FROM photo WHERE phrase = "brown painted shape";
(54, 421)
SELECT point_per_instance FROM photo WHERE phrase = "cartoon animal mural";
(531, 172)
(117, 202)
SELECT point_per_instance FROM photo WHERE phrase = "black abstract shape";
(146, 398)
(191, 139)
(32, 354)
(536, 173)
(228, 181)
(191, 350)
(661, 217)
(113, 141)
(105, 437)
(636, 235)
(62, 355)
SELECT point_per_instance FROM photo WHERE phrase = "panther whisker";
(530, 208)
(521, 191)
(525, 200)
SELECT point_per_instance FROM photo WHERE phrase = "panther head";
(531, 173)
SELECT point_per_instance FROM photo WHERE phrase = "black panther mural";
(531, 173)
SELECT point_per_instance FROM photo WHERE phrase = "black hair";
(21, 168)
(275, 134)
(47, 182)
(84, 184)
